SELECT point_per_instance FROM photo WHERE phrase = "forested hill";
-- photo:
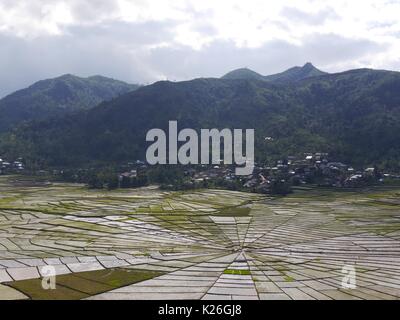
(58, 96)
(354, 115)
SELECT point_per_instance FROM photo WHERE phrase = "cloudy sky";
(144, 41)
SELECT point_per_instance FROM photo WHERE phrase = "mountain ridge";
(292, 74)
(57, 96)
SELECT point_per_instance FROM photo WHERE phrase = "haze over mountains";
(58, 96)
(354, 115)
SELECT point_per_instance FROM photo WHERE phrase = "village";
(314, 169)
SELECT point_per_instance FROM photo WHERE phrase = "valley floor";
(204, 244)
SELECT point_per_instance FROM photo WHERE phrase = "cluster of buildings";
(7, 167)
(311, 168)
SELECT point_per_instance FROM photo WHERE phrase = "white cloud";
(351, 34)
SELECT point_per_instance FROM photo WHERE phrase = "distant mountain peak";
(296, 73)
(310, 67)
(243, 73)
(65, 76)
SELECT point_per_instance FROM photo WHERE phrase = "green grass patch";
(281, 268)
(81, 285)
(237, 272)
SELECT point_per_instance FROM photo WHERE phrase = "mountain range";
(353, 115)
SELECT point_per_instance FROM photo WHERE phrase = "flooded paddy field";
(205, 244)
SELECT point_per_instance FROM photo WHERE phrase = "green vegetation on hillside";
(58, 96)
(354, 116)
